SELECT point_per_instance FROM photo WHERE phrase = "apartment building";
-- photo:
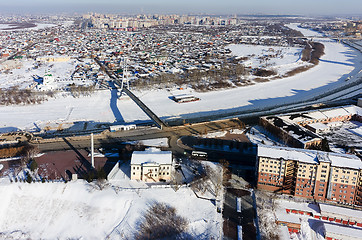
(312, 174)
(151, 165)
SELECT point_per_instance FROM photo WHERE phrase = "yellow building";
(53, 59)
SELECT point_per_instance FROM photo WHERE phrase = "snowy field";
(78, 210)
(37, 27)
(338, 63)
(281, 59)
(29, 71)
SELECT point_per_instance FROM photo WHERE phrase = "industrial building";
(308, 129)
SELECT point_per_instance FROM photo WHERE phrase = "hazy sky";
(319, 7)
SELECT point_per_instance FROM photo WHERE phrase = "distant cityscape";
(180, 126)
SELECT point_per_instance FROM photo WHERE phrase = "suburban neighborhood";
(180, 126)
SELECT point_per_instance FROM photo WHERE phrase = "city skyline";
(308, 7)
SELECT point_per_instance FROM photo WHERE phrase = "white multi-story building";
(152, 165)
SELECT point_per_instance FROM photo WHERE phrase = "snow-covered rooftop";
(303, 206)
(282, 216)
(318, 125)
(340, 210)
(345, 160)
(343, 230)
(310, 156)
(151, 155)
(325, 113)
(301, 155)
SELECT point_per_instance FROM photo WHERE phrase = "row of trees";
(312, 52)
(79, 90)
(201, 80)
(17, 96)
(14, 95)
(11, 151)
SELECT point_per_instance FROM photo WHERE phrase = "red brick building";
(311, 174)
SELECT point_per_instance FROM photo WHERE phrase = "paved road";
(173, 133)
(233, 218)
(115, 138)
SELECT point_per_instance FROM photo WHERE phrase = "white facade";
(48, 79)
(151, 165)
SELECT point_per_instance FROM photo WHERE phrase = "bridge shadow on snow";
(335, 62)
(113, 103)
(8, 129)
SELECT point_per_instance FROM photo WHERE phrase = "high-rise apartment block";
(323, 176)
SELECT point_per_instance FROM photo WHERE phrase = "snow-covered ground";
(304, 31)
(30, 71)
(281, 59)
(58, 110)
(78, 210)
(339, 62)
(37, 27)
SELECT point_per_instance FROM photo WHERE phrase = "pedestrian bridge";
(159, 123)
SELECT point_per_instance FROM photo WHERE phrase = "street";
(110, 139)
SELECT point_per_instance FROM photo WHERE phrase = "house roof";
(151, 155)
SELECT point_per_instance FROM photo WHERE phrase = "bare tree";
(216, 178)
(161, 221)
(101, 184)
(176, 180)
(28, 153)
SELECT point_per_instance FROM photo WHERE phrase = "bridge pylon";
(124, 78)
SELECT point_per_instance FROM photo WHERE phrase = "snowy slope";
(77, 210)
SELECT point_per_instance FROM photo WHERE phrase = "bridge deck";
(143, 106)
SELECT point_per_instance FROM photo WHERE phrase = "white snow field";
(37, 27)
(281, 59)
(338, 63)
(77, 210)
(24, 76)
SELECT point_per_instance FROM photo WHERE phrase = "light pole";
(92, 149)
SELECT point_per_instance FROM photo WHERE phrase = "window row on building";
(318, 175)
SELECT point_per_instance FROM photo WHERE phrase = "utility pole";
(92, 149)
